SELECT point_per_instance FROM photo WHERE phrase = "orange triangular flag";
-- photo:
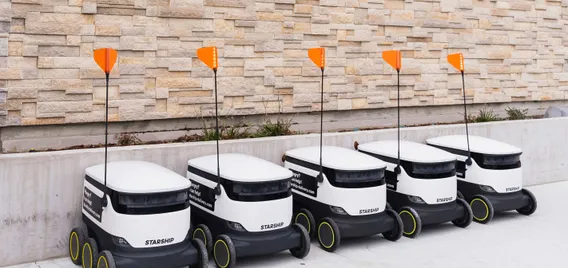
(456, 60)
(317, 55)
(208, 55)
(106, 58)
(393, 58)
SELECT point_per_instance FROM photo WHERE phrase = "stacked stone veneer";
(515, 50)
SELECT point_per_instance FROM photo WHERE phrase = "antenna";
(393, 58)
(105, 58)
(317, 55)
(456, 60)
(208, 55)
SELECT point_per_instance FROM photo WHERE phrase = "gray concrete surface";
(40, 192)
(510, 240)
(23, 138)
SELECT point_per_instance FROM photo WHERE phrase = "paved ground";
(510, 240)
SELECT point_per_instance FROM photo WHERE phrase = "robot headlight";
(416, 199)
(236, 226)
(486, 188)
(120, 241)
(338, 210)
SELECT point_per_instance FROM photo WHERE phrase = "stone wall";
(515, 50)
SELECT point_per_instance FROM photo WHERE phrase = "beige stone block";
(359, 103)
(226, 3)
(28, 109)
(303, 28)
(177, 82)
(523, 6)
(89, 8)
(303, 9)
(10, 73)
(344, 104)
(269, 46)
(107, 30)
(63, 106)
(15, 48)
(287, 71)
(268, 27)
(58, 51)
(342, 18)
(64, 63)
(269, 16)
(195, 12)
(52, 28)
(394, 4)
(265, 6)
(224, 26)
(138, 43)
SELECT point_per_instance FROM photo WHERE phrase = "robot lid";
(241, 168)
(477, 144)
(409, 151)
(337, 158)
(138, 177)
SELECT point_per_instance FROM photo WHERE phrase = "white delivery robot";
(423, 187)
(490, 176)
(242, 204)
(347, 200)
(139, 218)
(136, 212)
(248, 210)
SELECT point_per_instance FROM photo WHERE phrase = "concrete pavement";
(510, 240)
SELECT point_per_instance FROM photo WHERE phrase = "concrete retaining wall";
(40, 192)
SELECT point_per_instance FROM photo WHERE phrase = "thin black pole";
(398, 114)
(321, 125)
(217, 132)
(106, 126)
(468, 162)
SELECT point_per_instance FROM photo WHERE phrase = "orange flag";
(106, 58)
(456, 60)
(393, 58)
(317, 55)
(208, 55)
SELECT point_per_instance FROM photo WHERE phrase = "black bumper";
(436, 214)
(264, 243)
(179, 255)
(500, 201)
(506, 202)
(361, 226)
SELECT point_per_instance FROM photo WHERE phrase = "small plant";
(516, 113)
(126, 139)
(280, 128)
(485, 115)
(237, 131)
(208, 132)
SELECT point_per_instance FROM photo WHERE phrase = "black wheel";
(482, 209)
(89, 253)
(411, 222)
(460, 195)
(203, 257)
(203, 233)
(306, 219)
(531, 207)
(224, 252)
(304, 249)
(76, 241)
(388, 206)
(105, 260)
(396, 233)
(328, 234)
(467, 218)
